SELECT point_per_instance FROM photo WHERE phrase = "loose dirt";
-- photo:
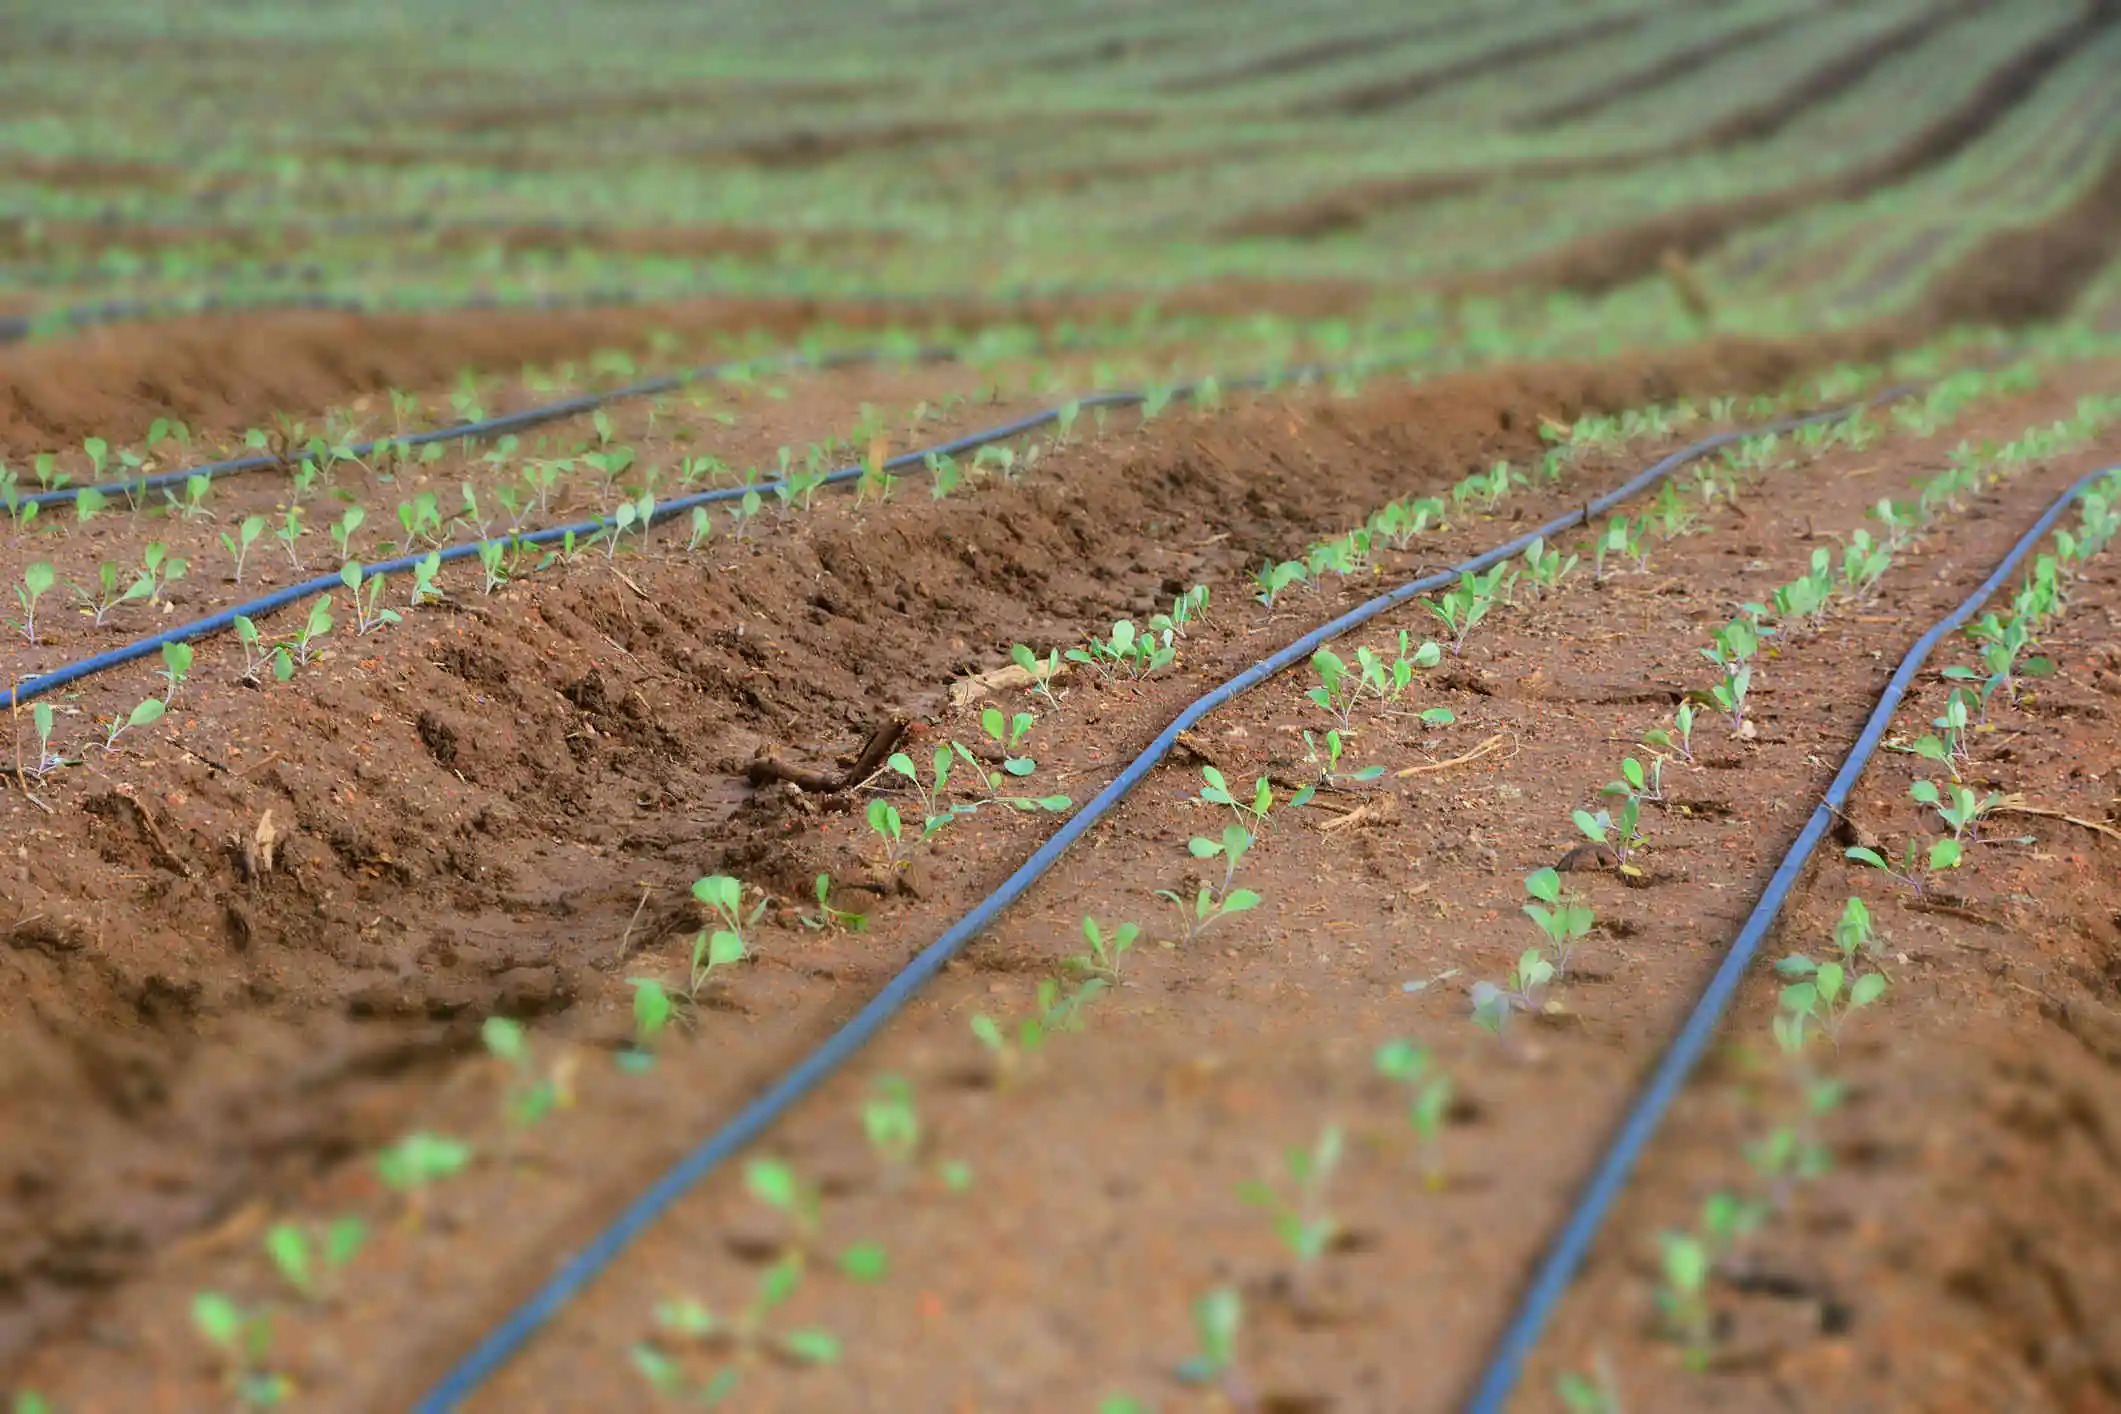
(229, 372)
(469, 809)
(503, 812)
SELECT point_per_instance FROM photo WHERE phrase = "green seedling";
(1618, 539)
(367, 595)
(1918, 865)
(1339, 687)
(1545, 567)
(1620, 833)
(1126, 652)
(1730, 698)
(478, 521)
(1207, 907)
(241, 1336)
(289, 533)
(315, 626)
(886, 824)
(421, 520)
(106, 598)
(779, 1187)
(37, 581)
(1465, 605)
(176, 663)
(1737, 642)
(1301, 1217)
(718, 947)
(1103, 954)
(1056, 1012)
(49, 477)
(1042, 670)
(1191, 605)
(1673, 517)
(493, 560)
(1492, 1004)
(1863, 564)
(158, 571)
(1273, 578)
(1231, 847)
(1679, 738)
(532, 1093)
(744, 514)
(1826, 996)
(1251, 813)
(1564, 921)
(1429, 1097)
(653, 1010)
(1682, 1295)
(1218, 1319)
(991, 787)
(1595, 1393)
(1329, 772)
(415, 1163)
(944, 474)
(1803, 602)
(892, 1124)
(1008, 733)
(342, 533)
(1950, 746)
(1636, 783)
(1957, 806)
(687, 1323)
(423, 579)
(827, 917)
(311, 1259)
(46, 760)
(702, 529)
(145, 713)
(238, 544)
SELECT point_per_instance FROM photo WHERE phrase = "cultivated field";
(1140, 708)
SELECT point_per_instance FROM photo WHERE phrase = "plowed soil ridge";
(1960, 1240)
(462, 815)
(1314, 55)
(1604, 262)
(1680, 64)
(1347, 208)
(227, 372)
(2037, 272)
(1370, 99)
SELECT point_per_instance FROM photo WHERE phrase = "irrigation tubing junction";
(1558, 1267)
(759, 1114)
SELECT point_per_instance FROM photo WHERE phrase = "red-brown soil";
(1348, 207)
(471, 805)
(1611, 259)
(229, 372)
(474, 808)
(1958, 1256)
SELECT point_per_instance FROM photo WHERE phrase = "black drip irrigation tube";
(224, 619)
(489, 429)
(765, 1109)
(492, 428)
(1562, 1259)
